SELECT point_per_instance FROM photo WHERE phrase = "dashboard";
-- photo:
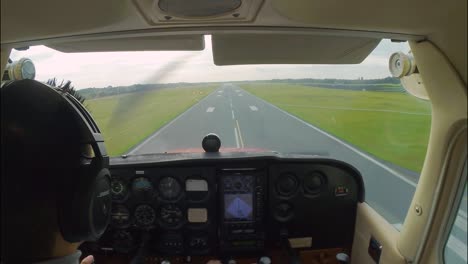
(221, 204)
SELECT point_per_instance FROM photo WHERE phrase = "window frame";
(456, 202)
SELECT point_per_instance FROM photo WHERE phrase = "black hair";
(40, 149)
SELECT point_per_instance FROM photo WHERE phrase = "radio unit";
(242, 213)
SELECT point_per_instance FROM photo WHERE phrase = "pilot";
(41, 148)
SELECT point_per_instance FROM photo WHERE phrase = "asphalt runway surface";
(244, 121)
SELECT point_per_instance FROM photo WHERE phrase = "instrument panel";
(230, 207)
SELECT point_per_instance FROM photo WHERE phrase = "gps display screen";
(238, 197)
(238, 207)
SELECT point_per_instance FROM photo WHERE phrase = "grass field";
(125, 120)
(393, 126)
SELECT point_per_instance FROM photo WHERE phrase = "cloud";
(101, 69)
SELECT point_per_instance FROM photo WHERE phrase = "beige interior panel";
(233, 49)
(443, 22)
(185, 42)
(370, 224)
(5, 54)
(435, 243)
(448, 95)
(451, 36)
(24, 19)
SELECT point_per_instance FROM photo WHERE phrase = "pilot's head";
(43, 155)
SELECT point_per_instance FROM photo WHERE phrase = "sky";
(103, 69)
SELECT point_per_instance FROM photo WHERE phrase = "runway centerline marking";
(237, 137)
(210, 109)
(240, 134)
(241, 94)
(233, 116)
(253, 108)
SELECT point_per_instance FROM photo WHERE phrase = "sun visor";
(236, 49)
(147, 43)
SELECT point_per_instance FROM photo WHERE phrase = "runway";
(244, 121)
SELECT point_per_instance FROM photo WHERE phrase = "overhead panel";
(237, 49)
(146, 43)
(24, 20)
(158, 12)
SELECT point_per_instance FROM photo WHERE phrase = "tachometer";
(169, 188)
(145, 215)
(170, 215)
(120, 216)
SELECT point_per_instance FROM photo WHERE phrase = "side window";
(455, 250)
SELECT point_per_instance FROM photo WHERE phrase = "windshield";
(167, 101)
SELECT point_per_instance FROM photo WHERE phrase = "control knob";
(264, 260)
(342, 258)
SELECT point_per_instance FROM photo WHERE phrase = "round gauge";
(169, 188)
(118, 189)
(120, 216)
(170, 215)
(122, 241)
(314, 182)
(142, 186)
(287, 184)
(283, 212)
(145, 215)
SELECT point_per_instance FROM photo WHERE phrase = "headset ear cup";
(100, 204)
(88, 214)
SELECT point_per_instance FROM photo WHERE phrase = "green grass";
(400, 138)
(125, 120)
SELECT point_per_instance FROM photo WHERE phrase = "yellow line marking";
(240, 134)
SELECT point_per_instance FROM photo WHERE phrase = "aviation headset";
(84, 203)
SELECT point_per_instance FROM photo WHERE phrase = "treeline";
(387, 80)
(389, 84)
(90, 93)
(384, 84)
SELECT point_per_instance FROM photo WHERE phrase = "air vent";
(198, 8)
(157, 12)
